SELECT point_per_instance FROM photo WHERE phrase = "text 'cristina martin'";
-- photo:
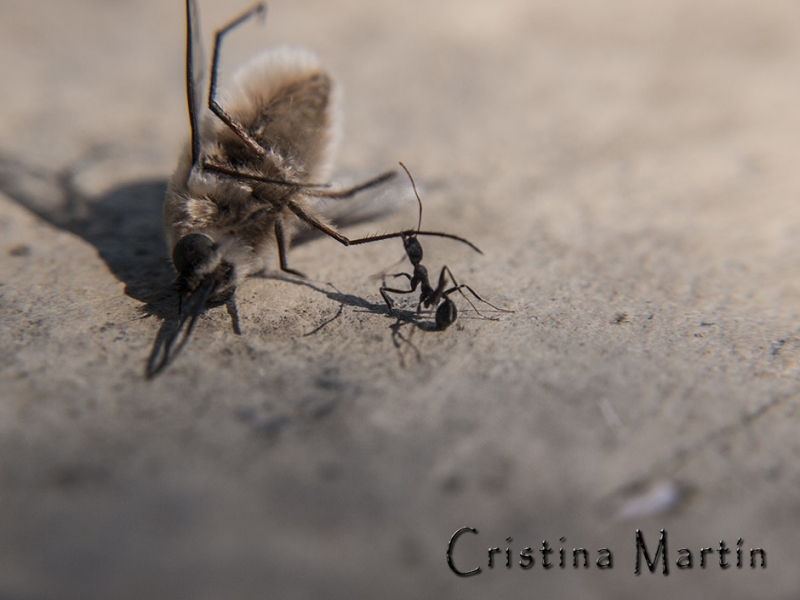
(656, 557)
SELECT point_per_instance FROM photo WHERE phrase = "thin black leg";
(281, 239)
(235, 126)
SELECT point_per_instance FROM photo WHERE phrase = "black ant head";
(410, 241)
(446, 314)
(202, 274)
(413, 247)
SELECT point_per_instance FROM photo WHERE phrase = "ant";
(446, 311)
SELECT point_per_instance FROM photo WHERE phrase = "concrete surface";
(631, 173)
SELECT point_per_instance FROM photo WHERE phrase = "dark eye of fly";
(191, 252)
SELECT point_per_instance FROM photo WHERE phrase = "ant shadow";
(404, 318)
(364, 306)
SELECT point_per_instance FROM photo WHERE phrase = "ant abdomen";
(446, 314)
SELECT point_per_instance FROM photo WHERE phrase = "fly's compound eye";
(191, 252)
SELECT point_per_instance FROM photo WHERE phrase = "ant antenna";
(403, 234)
(416, 193)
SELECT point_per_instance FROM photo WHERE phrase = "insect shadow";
(123, 224)
(399, 339)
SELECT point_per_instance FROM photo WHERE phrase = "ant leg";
(486, 302)
(281, 239)
(384, 289)
(388, 299)
(459, 287)
(234, 126)
(439, 292)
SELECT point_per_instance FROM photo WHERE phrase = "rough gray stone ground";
(631, 172)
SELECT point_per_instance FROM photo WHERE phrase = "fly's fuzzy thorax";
(290, 105)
